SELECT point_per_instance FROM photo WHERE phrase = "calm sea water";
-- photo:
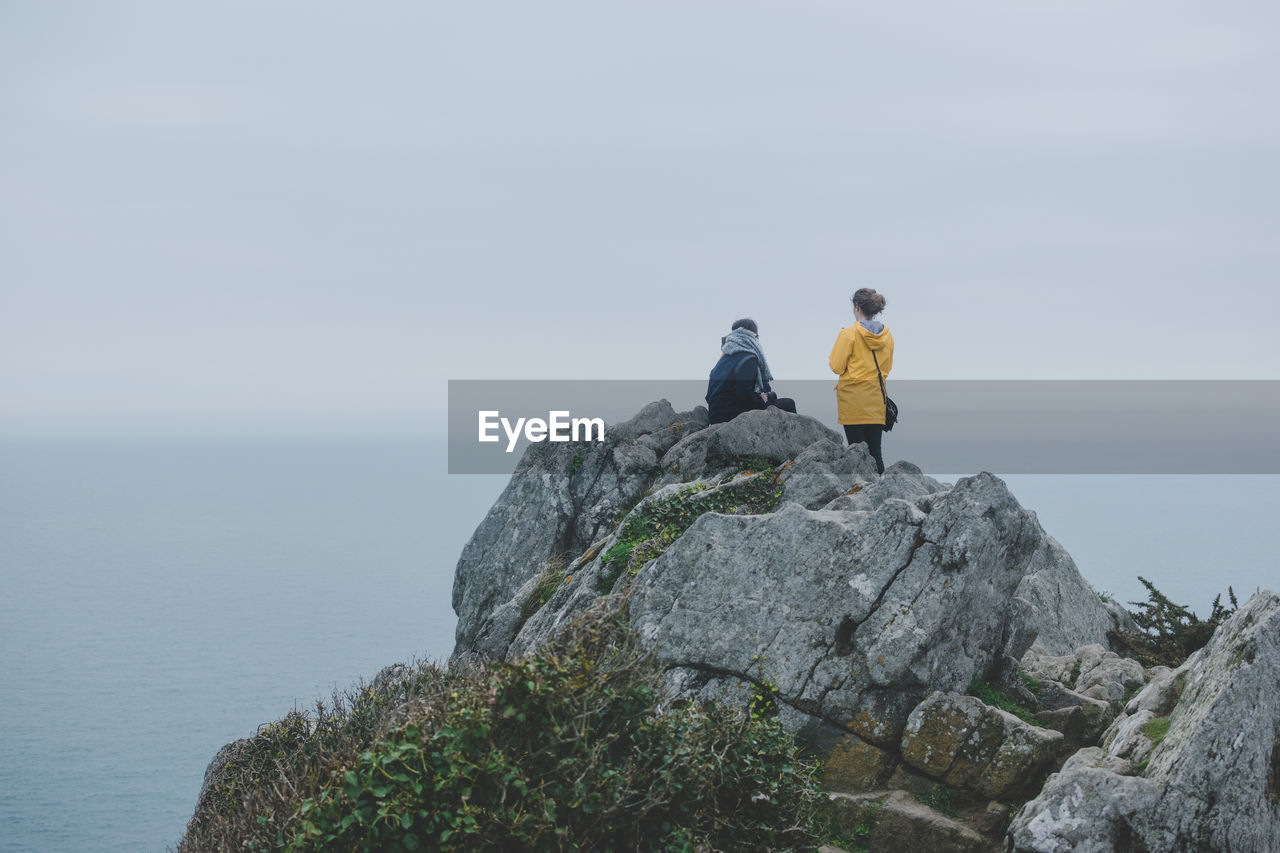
(163, 597)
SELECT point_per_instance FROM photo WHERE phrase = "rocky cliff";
(1192, 762)
(884, 619)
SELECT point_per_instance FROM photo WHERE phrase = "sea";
(162, 596)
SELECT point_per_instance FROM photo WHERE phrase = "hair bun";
(869, 302)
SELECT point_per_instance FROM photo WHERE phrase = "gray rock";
(900, 481)
(896, 822)
(1163, 690)
(1069, 721)
(1080, 716)
(1061, 609)
(567, 507)
(1219, 765)
(1084, 808)
(825, 471)
(853, 766)
(591, 575)
(854, 616)
(1211, 783)
(766, 435)
(1107, 676)
(1054, 695)
(993, 818)
(966, 743)
(560, 499)
(1093, 672)
(1046, 666)
(1126, 739)
(1055, 608)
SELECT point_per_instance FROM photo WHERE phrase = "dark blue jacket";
(730, 387)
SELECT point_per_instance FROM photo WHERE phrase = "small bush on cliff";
(1171, 633)
(565, 750)
(256, 789)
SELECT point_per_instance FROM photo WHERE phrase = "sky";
(248, 216)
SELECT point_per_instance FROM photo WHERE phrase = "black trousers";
(785, 403)
(870, 435)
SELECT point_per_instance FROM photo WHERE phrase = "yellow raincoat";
(858, 397)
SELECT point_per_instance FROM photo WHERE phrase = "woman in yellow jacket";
(858, 349)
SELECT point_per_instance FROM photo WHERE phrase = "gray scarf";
(741, 340)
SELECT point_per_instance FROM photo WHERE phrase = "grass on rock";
(647, 533)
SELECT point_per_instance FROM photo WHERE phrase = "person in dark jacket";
(740, 380)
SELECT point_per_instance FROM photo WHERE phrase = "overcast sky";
(291, 214)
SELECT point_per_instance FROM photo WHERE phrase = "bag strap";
(883, 393)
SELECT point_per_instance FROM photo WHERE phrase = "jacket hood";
(873, 333)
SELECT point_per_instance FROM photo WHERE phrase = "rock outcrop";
(557, 502)
(762, 560)
(966, 743)
(1192, 762)
(895, 820)
(763, 553)
(848, 617)
(765, 564)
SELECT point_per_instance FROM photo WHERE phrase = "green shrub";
(263, 778)
(1170, 633)
(565, 750)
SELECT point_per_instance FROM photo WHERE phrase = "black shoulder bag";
(890, 407)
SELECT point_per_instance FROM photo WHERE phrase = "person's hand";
(764, 396)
